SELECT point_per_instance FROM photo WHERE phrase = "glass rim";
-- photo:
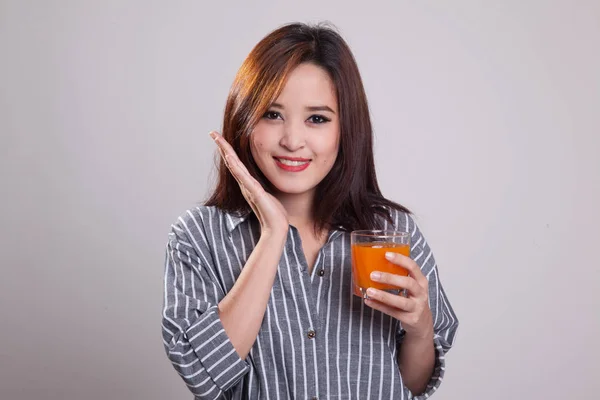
(379, 233)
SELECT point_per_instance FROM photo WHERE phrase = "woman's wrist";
(420, 337)
(276, 237)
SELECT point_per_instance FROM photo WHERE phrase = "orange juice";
(369, 257)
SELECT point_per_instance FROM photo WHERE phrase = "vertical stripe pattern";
(352, 354)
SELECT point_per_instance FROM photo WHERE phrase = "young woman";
(258, 299)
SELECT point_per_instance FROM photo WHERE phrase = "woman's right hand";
(269, 211)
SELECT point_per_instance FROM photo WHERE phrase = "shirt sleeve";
(193, 335)
(445, 322)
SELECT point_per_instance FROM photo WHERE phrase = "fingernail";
(213, 135)
(371, 292)
(389, 255)
(375, 275)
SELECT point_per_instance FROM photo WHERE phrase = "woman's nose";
(293, 137)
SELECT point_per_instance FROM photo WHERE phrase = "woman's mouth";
(291, 164)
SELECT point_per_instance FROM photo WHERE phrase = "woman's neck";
(299, 208)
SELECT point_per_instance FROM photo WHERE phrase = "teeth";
(292, 163)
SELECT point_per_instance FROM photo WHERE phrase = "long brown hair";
(348, 197)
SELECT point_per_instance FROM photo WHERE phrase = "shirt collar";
(234, 219)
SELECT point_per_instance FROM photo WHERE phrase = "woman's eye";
(271, 115)
(318, 119)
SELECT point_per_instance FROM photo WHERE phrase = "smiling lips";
(292, 164)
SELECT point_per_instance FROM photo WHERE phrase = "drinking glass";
(368, 255)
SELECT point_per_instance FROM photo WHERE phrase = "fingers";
(404, 282)
(411, 266)
(239, 171)
(391, 300)
(413, 311)
(227, 152)
(224, 146)
(408, 318)
(377, 305)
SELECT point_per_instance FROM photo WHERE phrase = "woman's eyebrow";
(320, 108)
(308, 108)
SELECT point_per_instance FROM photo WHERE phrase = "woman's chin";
(293, 190)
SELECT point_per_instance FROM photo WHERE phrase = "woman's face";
(296, 142)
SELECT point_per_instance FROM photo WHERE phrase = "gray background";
(487, 125)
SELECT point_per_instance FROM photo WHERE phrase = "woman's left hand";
(413, 311)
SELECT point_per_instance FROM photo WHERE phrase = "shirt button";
(321, 272)
(311, 334)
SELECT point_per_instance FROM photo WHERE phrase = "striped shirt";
(317, 340)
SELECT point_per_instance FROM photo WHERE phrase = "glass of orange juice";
(368, 255)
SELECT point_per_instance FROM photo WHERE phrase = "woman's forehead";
(308, 85)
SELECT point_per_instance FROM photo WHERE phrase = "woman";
(258, 294)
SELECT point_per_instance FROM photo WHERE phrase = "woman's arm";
(243, 309)
(191, 327)
(416, 360)
(416, 356)
(207, 334)
(426, 317)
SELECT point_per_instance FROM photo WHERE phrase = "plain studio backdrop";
(486, 118)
